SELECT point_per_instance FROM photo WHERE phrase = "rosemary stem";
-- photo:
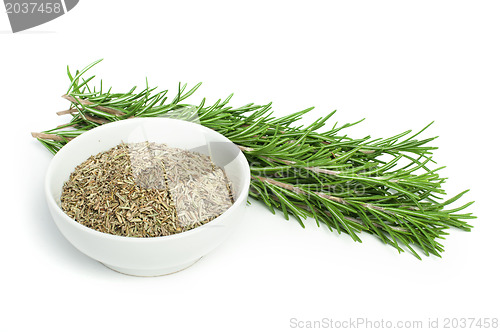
(88, 103)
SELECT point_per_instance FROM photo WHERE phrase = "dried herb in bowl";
(146, 190)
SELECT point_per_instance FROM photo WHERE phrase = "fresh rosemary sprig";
(385, 187)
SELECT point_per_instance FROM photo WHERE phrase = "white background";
(400, 64)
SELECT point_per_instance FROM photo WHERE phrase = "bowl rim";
(103, 128)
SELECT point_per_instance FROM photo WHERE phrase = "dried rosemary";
(146, 190)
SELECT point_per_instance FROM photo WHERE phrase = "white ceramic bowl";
(156, 255)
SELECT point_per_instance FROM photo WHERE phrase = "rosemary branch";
(384, 187)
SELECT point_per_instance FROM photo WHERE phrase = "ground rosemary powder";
(146, 190)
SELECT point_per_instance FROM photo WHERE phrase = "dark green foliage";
(385, 187)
